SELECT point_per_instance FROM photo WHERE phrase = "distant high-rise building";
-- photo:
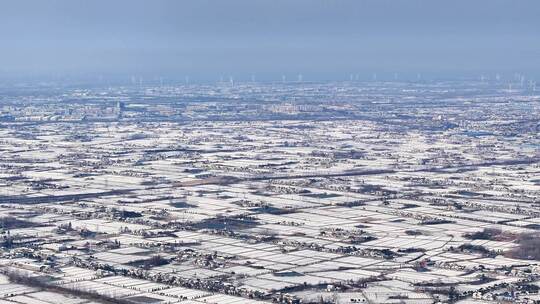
(120, 107)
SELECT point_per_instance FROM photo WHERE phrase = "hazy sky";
(268, 38)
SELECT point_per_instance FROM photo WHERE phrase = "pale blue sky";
(268, 38)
